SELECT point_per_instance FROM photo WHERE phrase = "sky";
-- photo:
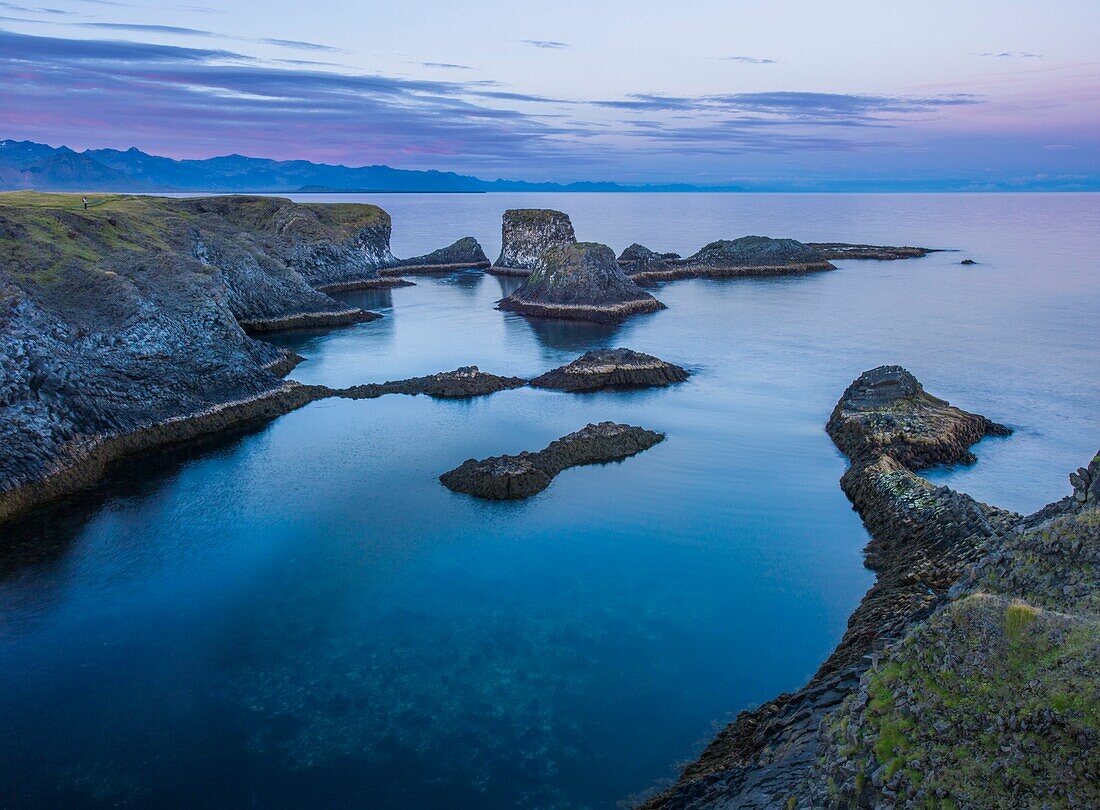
(974, 95)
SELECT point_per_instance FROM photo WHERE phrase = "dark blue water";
(303, 614)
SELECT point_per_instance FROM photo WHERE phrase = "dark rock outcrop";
(121, 326)
(754, 256)
(464, 254)
(581, 281)
(886, 411)
(332, 247)
(521, 476)
(526, 234)
(462, 383)
(844, 250)
(923, 539)
(645, 266)
(611, 368)
(968, 261)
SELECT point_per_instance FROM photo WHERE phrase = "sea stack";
(581, 282)
(526, 234)
(464, 254)
(754, 256)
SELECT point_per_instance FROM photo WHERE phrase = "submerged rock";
(968, 261)
(844, 250)
(464, 254)
(581, 281)
(526, 234)
(754, 256)
(612, 368)
(523, 475)
(462, 383)
(887, 411)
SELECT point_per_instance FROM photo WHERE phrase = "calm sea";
(302, 615)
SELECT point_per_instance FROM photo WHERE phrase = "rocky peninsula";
(975, 650)
(580, 281)
(526, 233)
(611, 368)
(526, 474)
(126, 326)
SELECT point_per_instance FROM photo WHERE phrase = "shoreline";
(923, 539)
(88, 461)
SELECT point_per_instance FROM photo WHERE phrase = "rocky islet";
(612, 368)
(581, 281)
(526, 474)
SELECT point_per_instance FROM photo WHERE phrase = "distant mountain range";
(29, 165)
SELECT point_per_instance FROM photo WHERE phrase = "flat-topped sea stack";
(464, 254)
(887, 411)
(646, 266)
(612, 368)
(886, 253)
(526, 234)
(753, 256)
(523, 475)
(580, 282)
(462, 383)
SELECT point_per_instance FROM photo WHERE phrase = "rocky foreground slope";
(967, 675)
(126, 325)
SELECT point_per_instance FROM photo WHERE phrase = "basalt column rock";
(526, 234)
(887, 411)
(583, 282)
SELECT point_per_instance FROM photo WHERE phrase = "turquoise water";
(303, 614)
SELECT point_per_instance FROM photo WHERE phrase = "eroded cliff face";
(526, 234)
(124, 326)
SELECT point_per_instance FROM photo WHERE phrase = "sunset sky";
(776, 94)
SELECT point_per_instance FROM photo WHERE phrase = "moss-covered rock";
(580, 281)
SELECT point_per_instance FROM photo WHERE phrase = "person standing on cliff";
(85, 200)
